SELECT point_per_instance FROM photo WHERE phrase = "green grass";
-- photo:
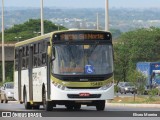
(137, 100)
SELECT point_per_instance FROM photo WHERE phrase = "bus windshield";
(82, 59)
(157, 75)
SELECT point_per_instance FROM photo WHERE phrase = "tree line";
(141, 45)
(131, 47)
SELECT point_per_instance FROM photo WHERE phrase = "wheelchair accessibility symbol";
(89, 69)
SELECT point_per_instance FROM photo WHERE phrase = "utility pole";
(106, 16)
(97, 22)
(42, 23)
(3, 55)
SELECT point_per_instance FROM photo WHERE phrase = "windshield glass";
(128, 84)
(9, 85)
(82, 59)
(157, 75)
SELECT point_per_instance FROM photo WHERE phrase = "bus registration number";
(96, 84)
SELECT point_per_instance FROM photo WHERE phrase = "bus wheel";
(36, 106)
(6, 101)
(69, 107)
(100, 105)
(1, 101)
(46, 104)
(27, 105)
(77, 106)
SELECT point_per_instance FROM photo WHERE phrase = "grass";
(138, 99)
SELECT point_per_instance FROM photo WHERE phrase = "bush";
(153, 92)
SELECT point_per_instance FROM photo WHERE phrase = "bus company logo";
(157, 65)
(6, 114)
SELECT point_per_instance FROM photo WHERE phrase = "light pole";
(106, 16)
(3, 55)
(97, 21)
(57, 26)
(42, 23)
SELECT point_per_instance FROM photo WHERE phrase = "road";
(90, 111)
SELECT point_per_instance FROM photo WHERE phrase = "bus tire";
(69, 107)
(36, 106)
(6, 101)
(46, 104)
(77, 106)
(1, 101)
(100, 105)
(27, 105)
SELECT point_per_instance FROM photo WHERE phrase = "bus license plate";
(84, 94)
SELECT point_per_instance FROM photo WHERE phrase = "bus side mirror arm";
(49, 53)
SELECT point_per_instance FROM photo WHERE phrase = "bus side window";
(16, 59)
(43, 46)
(39, 54)
(23, 51)
(27, 56)
(42, 55)
(27, 51)
(44, 59)
(23, 63)
(35, 57)
(36, 48)
(23, 57)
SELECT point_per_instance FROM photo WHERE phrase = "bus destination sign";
(82, 36)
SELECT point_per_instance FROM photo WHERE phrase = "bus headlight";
(105, 87)
(59, 85)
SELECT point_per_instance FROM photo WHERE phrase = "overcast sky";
(83, 3)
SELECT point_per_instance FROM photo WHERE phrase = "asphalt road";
(112, 112)
(15, 106)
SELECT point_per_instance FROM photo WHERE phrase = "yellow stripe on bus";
(82, 84)
(31, 102)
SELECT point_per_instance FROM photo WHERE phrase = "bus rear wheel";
(6, 101)
(46, 104)
(1, 101)
(36, 106)
(27, 105)
(100, 105)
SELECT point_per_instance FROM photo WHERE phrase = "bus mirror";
(49, 51)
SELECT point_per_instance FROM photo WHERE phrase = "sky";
(83, 3)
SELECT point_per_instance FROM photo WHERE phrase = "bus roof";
(50, 35)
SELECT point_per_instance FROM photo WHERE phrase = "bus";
(70, 68)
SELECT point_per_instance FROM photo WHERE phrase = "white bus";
(70, 68)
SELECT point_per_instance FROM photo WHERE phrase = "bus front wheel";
(77, 106)
(46, 104)
(100, 105)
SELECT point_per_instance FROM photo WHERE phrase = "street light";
(57, 26)
(3, 55)
(97, 21)
(42, 23)
(106, 16)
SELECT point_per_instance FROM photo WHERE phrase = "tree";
(115, 33)
(135, 46)
(25, 31)
(30, 29)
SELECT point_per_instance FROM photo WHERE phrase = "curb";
(133, 105)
